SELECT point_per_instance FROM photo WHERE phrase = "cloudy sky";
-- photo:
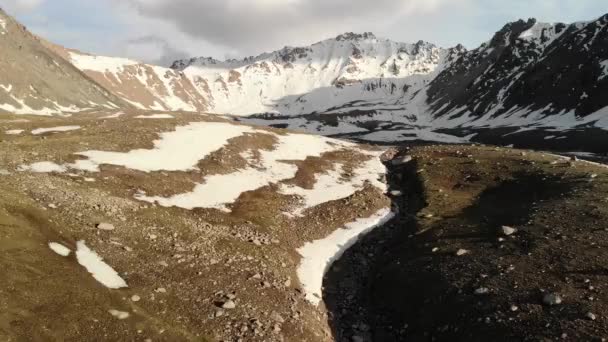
(161, 31)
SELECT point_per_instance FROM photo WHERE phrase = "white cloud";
(164, 30)
(254, 26)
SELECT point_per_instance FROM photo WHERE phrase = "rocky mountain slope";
(553, 70)
(144, 86)
(35, 80)
(315, 79)
(530, 76)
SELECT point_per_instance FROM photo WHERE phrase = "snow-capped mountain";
(314, 79)
(529, 76)
(530, 69)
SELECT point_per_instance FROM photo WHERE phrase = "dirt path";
(406, 282)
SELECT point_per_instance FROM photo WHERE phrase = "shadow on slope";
(392, 285)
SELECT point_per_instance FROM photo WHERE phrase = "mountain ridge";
(35, 80)
(530, 75)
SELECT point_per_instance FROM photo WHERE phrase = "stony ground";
(193, 275)
(490, 245)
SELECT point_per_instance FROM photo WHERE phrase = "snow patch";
(43, 167)
(604, 66)
(424, 134)
(330, 186)
(155, 116)
(59, 249)
(217, 191)
(13, 131)
(39, 131)
(2, 26)
(101, 271)
(319, 255)
(100, 63)
(113, 116)
(179, 150)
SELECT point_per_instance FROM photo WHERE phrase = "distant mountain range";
(530, 76)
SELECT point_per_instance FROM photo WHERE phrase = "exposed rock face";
(34, 79)
(540, 67)
(334, 73)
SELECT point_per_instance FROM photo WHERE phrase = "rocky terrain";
(129, 245)
(489, 244)
(35, 80)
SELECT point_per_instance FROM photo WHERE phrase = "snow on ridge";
(542, 33)
(319, 255)
(39, 131)
(604, 66)
(144, 86)
(100, 63)
(179, 150)
(13, 131)
(95, 265)
(304, 80)
(536, 31)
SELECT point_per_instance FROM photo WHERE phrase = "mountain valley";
(357, 189)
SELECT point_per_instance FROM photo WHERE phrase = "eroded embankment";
(444, 269)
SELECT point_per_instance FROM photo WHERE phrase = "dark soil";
(404, 281)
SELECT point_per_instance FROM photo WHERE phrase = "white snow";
(547, 31)
(162, 88)
(217, 191)
(604, 66)
(101, 271)
(327, 74)
(155, 116)
(425, 134)
(179, 150)
(330, 186)
(39, 131)
(100, 63)
(59, 249)
(51, 108)
(2, 26)
(113, 116)
(14, 131)
(43, 167)
(318, 255)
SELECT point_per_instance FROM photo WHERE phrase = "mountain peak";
(355, 36)
(511, 31)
